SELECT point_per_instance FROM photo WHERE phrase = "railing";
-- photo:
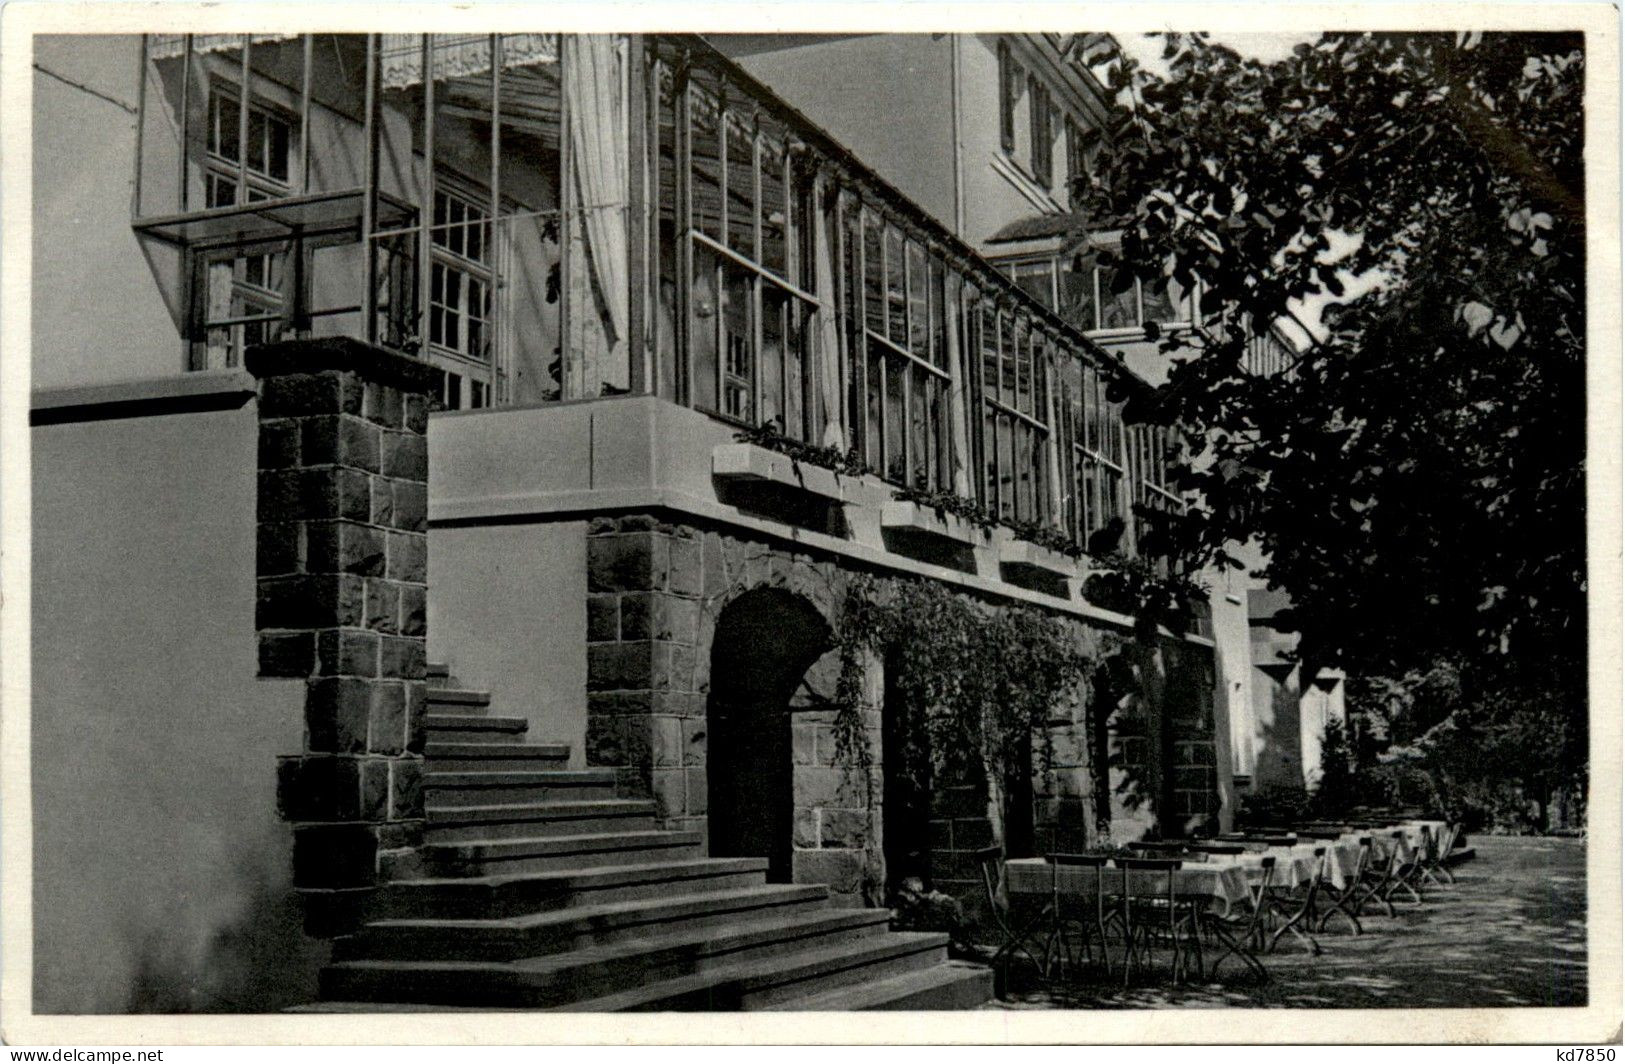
(624, 215)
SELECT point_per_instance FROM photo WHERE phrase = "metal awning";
(320, 214)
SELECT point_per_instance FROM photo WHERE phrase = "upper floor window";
(1012, 85)
(1077, 164)
(1083, 294)
(266, 148)
(1042, 116)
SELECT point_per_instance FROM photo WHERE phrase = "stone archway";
(765, 641)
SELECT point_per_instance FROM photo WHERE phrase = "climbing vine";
(973, 682)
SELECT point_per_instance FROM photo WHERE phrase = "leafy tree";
(1416, 479)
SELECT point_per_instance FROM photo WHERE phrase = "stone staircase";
(538, 887)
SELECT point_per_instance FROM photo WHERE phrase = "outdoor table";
(1221, 885)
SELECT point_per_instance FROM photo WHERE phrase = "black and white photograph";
(1038, 526)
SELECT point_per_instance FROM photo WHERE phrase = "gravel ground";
(1511, 932)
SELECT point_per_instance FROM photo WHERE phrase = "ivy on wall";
(973, 682)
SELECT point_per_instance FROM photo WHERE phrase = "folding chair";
(1015, 938)
(1438, 858)
(1163, 918)
(1092, 925)
(1372, 883)
(1405, 872)
(1296, 913)
(1239, 930)
(1344, 899)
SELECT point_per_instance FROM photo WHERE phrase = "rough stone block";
(383, 405)
(619, 666)
(693, 732)
(637, 608)
(840, 870)
(387, 733)
(319, 788)
(339, 439)
(603, 618)
(346, 652)
(338, 712)
(408, 557)
(606, 740)
(279, 443)
(714, 580)
(675, 619)
(405, 788)
(667, 786)
(383, 501)
(414, 609)
(417, 716)
(320, 601)
(698, 794)
(803, 744)
(344, 547)
(804, 829)
(401, 657)
(415, 413)
(384, 606)
(303, 394)
(619, 562)
(279, 548)
(673, 667)
(406, 456)
(686, 575)
(411, 505)
(287, 654)
(666, 741)
(844, 828)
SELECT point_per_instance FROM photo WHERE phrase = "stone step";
(495, 896)
(458, 701)
(481, 856)
(554, 931)
(436, 670)
(755, 982)
(446, 756)
(466, 726)
(951, 985)
(509, 787)
(580, 975)
(456, 823)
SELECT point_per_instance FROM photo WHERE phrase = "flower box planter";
(746, 463)
(899, 517)
(1024, 556)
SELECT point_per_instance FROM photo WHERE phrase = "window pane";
(1041, 356)
(773, 309)
(896, 468)
(939, 315)
(256, 140)
(1007, 468)
(990, 350)
(876, 385)
(896, 297)
(990, 461)
(1011, 336)
(1118, 310)
(1034, 278)
(797, 318)
(1024, 368)
(774, 208)
(277, 164)
(224, 129)
(1092, 436)
(919, 451)
(741, 187)
(919, 321)
(937, 416)
(702, 328)
(1078, 296)
(706, 156)
(738, 364)
(874, 276)
(1158, 303)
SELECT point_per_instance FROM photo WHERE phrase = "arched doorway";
(765, 641)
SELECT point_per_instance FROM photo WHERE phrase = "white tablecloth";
(1224, 884)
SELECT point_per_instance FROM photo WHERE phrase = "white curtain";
(595, 86)
(829, 335)
(957, 391)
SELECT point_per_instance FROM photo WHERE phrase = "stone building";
(429, 594)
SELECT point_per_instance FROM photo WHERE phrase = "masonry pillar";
(343, 500)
